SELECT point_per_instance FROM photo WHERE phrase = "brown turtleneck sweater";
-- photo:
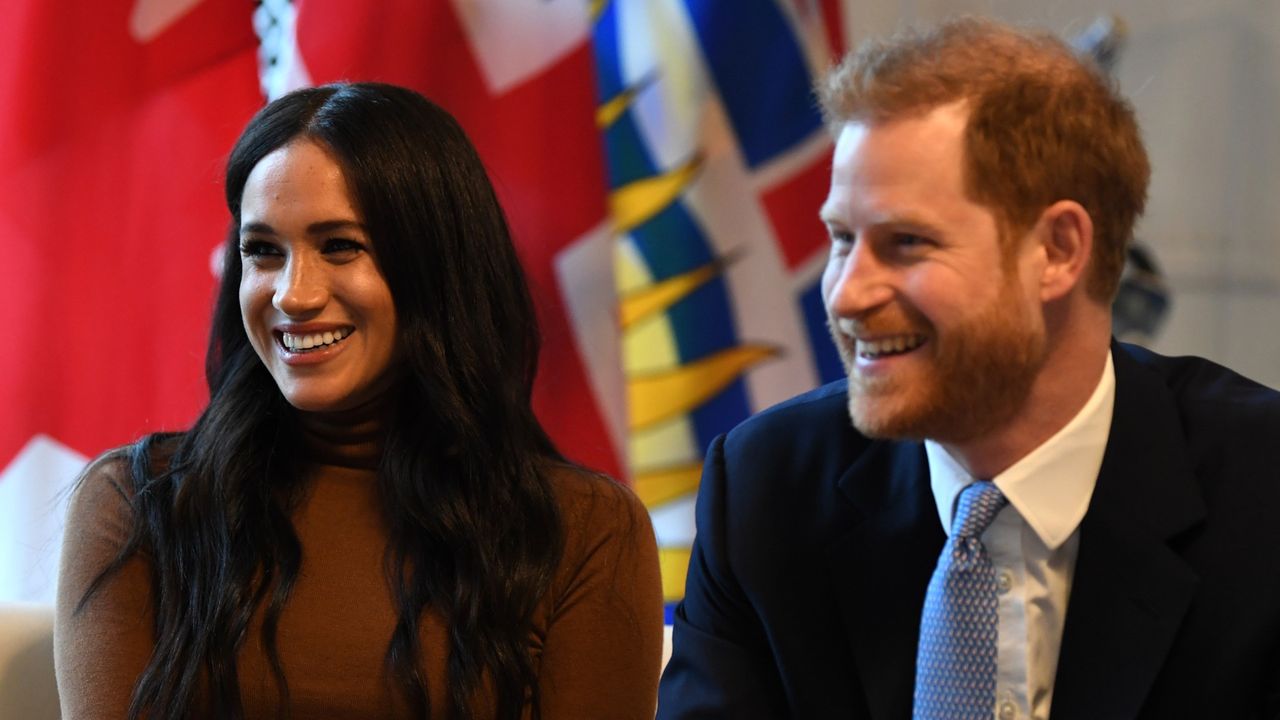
(597, 636)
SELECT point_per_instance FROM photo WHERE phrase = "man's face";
(941, 333)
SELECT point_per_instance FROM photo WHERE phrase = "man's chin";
(884, 419)
(874, 418)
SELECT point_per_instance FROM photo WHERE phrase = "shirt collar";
(1050, 486)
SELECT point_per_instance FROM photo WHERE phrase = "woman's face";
(314, 302)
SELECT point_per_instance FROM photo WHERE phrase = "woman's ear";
(1066, 236)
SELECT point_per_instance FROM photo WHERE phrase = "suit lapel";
(881, 567)
(1130, 589)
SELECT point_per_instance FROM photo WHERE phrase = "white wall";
(1204, 77)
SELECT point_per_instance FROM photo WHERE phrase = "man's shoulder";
(1219, 411)
(825, 405)
(809, 435)
(1202, 387)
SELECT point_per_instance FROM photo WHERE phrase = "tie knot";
(979, 504)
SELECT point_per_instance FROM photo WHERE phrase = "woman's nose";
(302, 288)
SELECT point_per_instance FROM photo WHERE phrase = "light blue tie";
(956, 659)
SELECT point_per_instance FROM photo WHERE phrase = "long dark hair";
(478, 542)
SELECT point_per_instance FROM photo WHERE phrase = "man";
(984, 185)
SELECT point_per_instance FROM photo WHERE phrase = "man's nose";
(302, 288)
(862, 282)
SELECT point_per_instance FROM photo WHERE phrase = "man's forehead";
(938, 131)
(922, 152)
(950, 117)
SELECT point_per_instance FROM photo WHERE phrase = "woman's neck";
(347, 438)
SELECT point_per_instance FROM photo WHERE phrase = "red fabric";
(833, 23)
(540, 144)
(110, 206)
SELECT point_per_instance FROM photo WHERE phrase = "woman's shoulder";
(107, 486)
(105, 478)
(585, 495)
(99, 521)
(604, 522)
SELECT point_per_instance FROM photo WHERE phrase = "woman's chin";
(319, 402)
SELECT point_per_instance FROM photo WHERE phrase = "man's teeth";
(314, 340)
(889, 346)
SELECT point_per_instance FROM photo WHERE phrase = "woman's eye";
(342, 247)
(257, 249)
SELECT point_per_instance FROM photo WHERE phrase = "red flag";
(518, 76)
(117, 116)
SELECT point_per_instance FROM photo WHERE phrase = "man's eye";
(909, 240)
(841, 237)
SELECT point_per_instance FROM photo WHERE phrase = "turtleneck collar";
(347, 438)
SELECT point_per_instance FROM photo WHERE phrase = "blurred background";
(661, 161)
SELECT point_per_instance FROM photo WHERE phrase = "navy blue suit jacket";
(815, 546)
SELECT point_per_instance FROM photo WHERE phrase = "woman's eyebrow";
(260, 228)
(328, 226)
(315, 228)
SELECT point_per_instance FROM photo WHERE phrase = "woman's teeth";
(299, 343)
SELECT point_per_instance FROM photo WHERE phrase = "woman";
(367, 520)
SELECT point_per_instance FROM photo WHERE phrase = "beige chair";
(28, 690)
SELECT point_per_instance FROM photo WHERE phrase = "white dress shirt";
(1033, 543)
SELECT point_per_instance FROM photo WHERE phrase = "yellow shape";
(674, 562)
(630, 271)
(656, 487)
(666, 444)
(636, 202)
(641, 304)
(661, 396)
(650, 347)
(608, 113)
(597, 8)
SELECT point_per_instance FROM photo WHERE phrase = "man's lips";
(870, 341)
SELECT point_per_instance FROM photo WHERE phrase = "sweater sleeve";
(101, 647)
(603, 644)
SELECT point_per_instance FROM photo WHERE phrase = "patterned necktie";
(956, 660)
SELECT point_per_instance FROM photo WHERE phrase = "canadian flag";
(116, 122)
(115, 119)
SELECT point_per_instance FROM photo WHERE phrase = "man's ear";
(1066, 235)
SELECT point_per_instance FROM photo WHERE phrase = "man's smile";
(889, 345)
